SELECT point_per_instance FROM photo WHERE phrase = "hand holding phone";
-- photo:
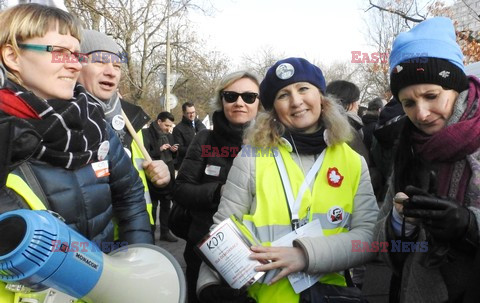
(400, 197)
(398, 201)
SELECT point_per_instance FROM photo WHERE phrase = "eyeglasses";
(231, 97)
(60, 54)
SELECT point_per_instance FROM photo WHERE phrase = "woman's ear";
(10, 58)
(322, 101)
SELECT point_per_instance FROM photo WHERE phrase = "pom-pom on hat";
(286, 72)
(428, 53)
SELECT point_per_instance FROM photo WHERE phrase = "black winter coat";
(183, 134)
(204, 171)
(153, 139)
(369, 123)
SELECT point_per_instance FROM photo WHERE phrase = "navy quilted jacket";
(90, 204)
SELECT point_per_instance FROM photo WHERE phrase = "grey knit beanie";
(94, 41)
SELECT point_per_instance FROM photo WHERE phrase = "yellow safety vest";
(17, 184)
(137, 160)
(5, 295)
(271, 219)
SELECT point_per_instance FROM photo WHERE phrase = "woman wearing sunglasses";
(208, 160)
(79, 169)
(312, 187)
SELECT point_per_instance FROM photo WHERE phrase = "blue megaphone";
(39, 251)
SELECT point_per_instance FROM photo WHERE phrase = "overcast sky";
(317, 30)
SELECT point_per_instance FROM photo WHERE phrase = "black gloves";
(224, 294)
(446, 220)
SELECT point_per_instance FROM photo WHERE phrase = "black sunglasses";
(231, 97)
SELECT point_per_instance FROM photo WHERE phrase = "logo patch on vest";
(334, 177)
(335, 215)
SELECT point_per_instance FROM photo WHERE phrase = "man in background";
(158, 141)
(184, 132)
(370, 119)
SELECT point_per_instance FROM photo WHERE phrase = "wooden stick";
(135, 137)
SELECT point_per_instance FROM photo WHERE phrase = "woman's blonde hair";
(268, 130)
(227, 80)
(25, 21)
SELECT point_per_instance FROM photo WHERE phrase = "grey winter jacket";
(183, 134)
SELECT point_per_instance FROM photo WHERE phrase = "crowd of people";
(406, 170)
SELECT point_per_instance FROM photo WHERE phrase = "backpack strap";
(33, 183)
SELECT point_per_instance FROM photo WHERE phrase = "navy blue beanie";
(286, 72)
(428, 53)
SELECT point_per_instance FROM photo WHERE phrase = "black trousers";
(193, 262)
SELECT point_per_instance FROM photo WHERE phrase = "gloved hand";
(224, 294)
(445, 220)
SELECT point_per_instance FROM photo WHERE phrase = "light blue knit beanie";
(433, 38)
(428, 53)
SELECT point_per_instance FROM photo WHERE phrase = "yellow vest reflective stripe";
(137, 160)
(5, 295)
(17, 184)
(271, 219)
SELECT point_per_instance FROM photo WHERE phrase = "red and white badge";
(101, 169)
(334, 177)
(335, 215)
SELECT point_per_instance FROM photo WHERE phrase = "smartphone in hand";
(400, 198)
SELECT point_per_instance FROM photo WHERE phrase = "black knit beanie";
(427, 70)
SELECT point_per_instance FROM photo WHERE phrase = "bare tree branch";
(474, 13)
(394, 11)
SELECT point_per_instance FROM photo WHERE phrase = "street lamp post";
(167, 77)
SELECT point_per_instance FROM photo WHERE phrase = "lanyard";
(294, 204)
